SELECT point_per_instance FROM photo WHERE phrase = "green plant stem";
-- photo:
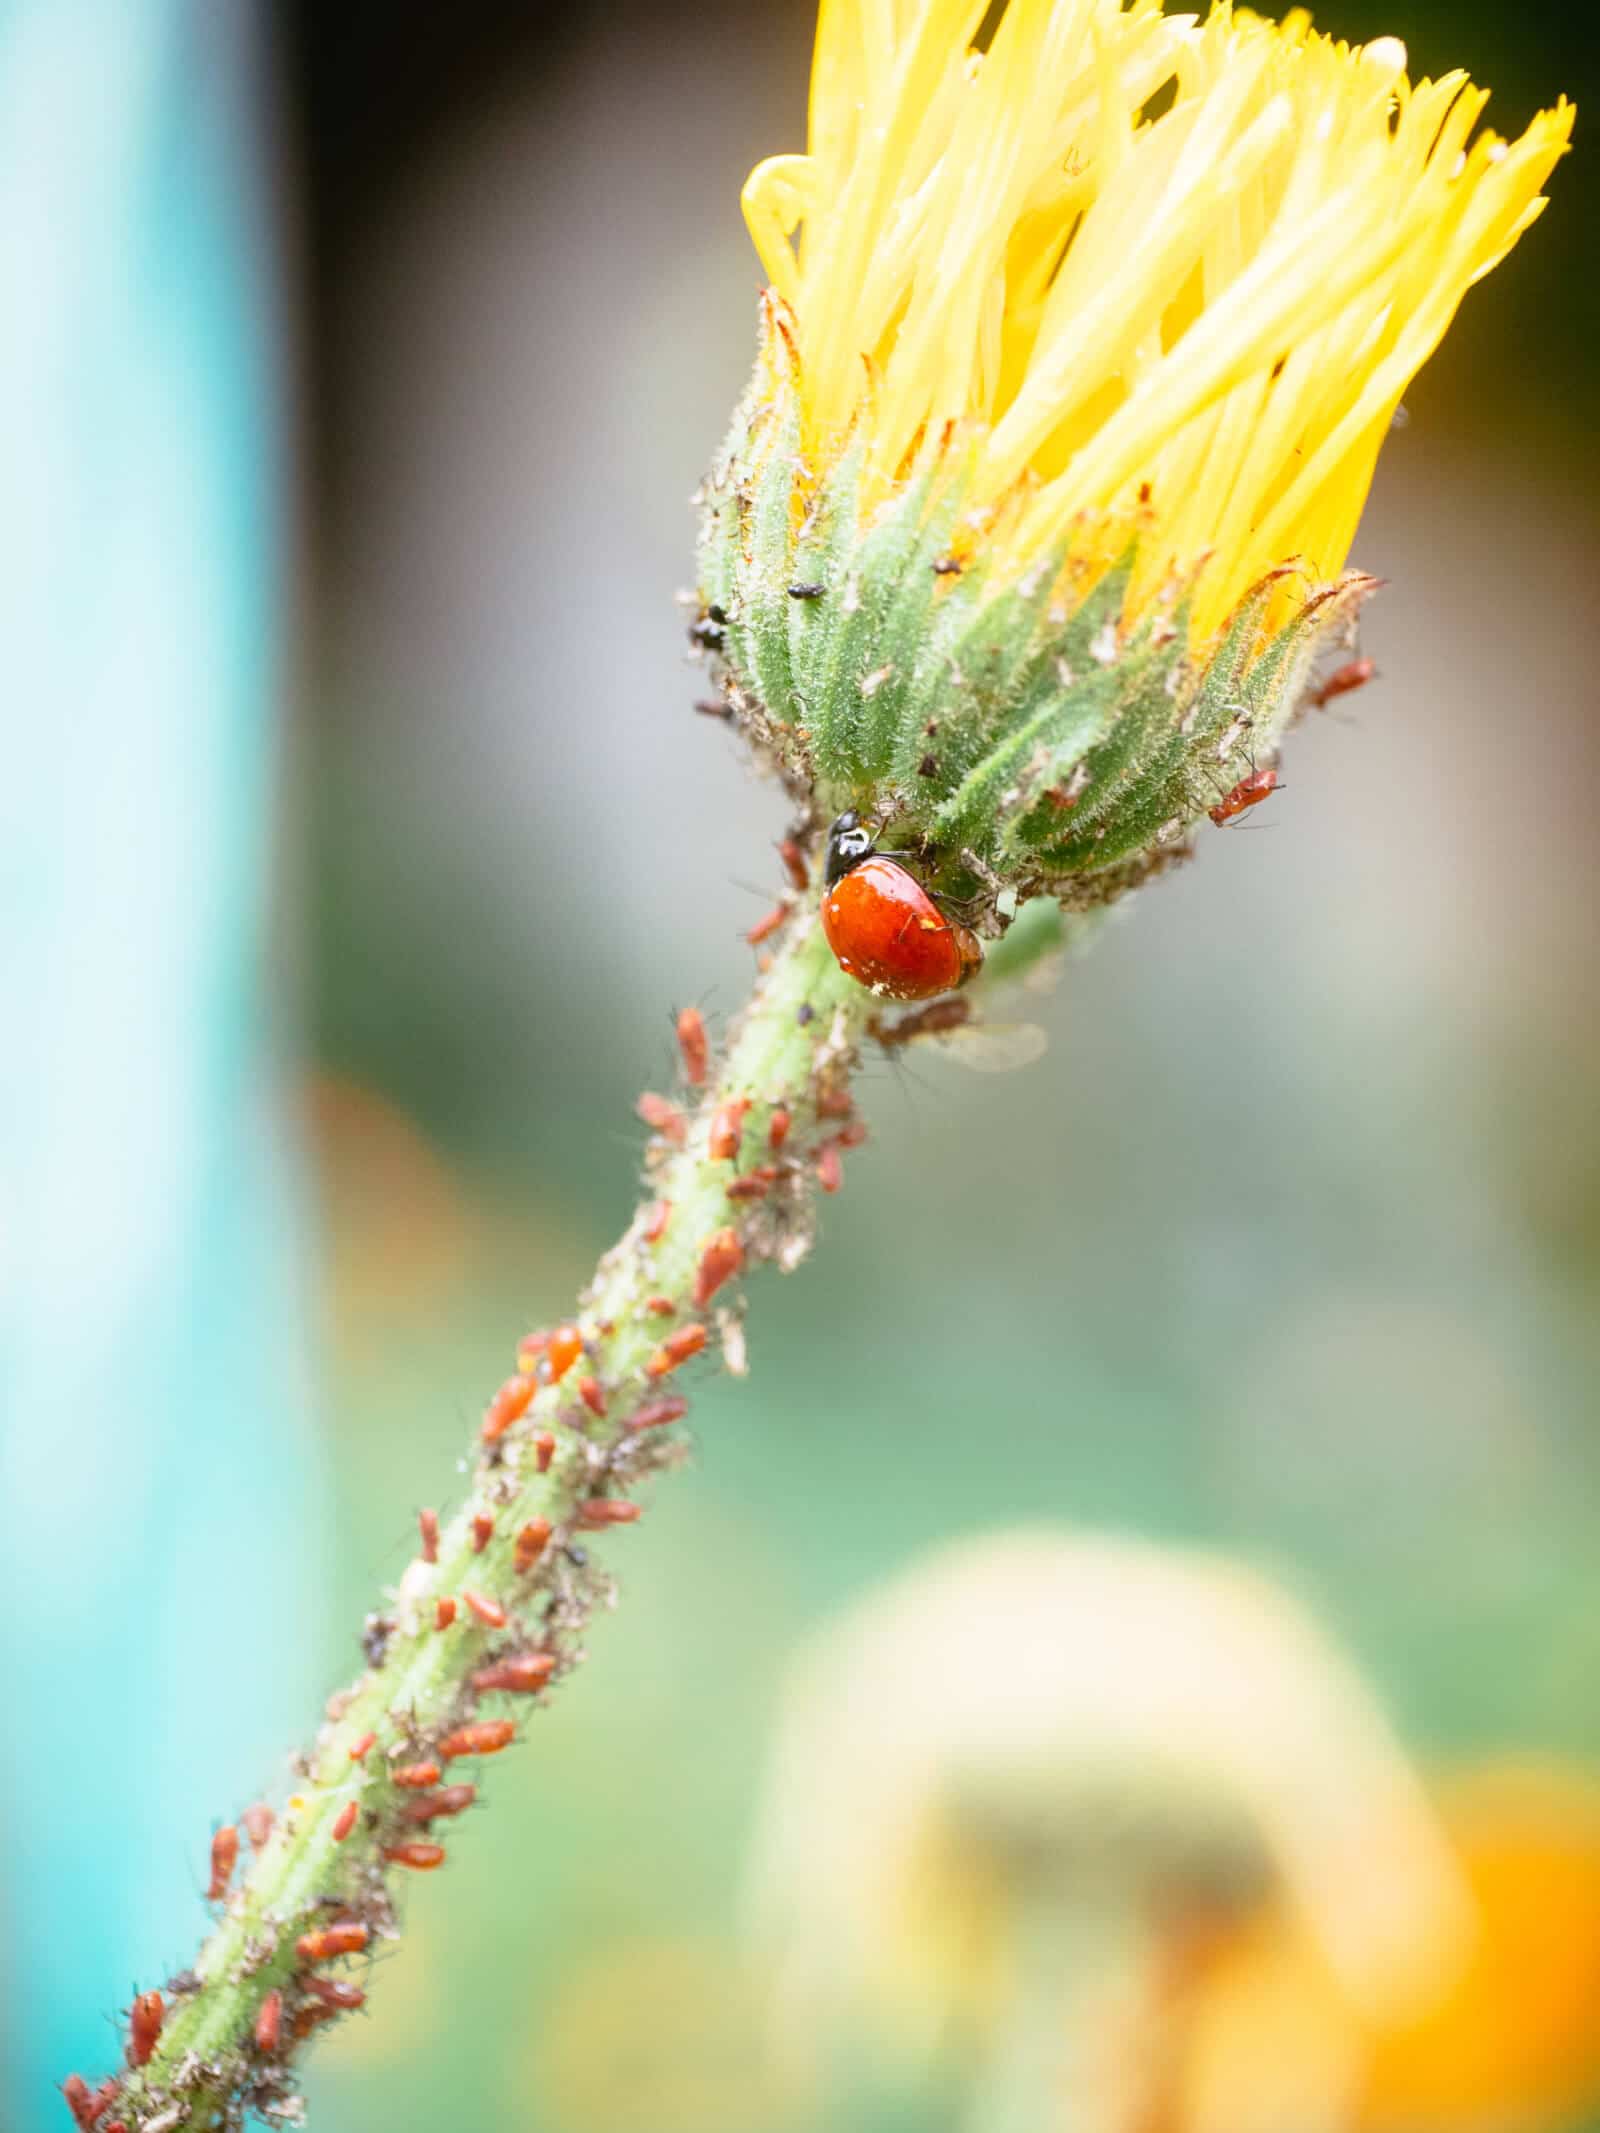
(792, 1049)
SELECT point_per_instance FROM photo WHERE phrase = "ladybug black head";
(848, 845)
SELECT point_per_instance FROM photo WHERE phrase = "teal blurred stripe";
(159, 1482)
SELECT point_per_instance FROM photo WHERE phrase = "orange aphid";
(269, 2023)
(566, 1345)
(721, 1259)
(663, 1116)
(522, 1676)
(592, 1393)
(607, 1511)
(544, 1450)
(348, 1937)
(655, 1222)
(224, 1857)
(778, 1128)
(1249, 792)
(487, 1737)
(727, 1129)
(359, 1749)
(830, 1167)
(444, 1611)
(145, 2018)
(482, 1531)
(256, 1822)
(656, 1414)
(344, 1822)
(421, 1858)
(428, 1527)
(531, 1544)
(415, 1777)
(509, 1405)
(489, 1612)
(693, 1045)
(451, 1800)
(766, 926)
(675, 1350)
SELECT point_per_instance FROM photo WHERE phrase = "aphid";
(344, 1822)
(794, 865)
(428, 1527)
(720, 1261)
(415, 1777)
(145, 2018)
(257, 1822)
(421, 1858)
(224, 1858)
(608, 1511)
(767, 925)
(727, 1130)
(754, 1185)
(360, 1749)
(489, 1612)
(444, 1611)
(656, 1220)
(676, 1349)
(835, 1101)
(269, 2023)
(566, 1345)
(544, 1450)
(509, 1405)
(592, 1393)
(661, 1307)
(347, 1937)
(522, 1676)
(482, 1531)
(694, 1047)
(656, 1414)
(335, 1992)
(884, 928)
(778, 1128)
(83, 2106)
(1354, 674)
(451, 1800)
(487, 1737)
(1249, 792)
(830, 1167)
(531, 1544)
(948, 1027)
(663, 1116)
(529, 1350)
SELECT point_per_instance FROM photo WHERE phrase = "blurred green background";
(1292, 1242)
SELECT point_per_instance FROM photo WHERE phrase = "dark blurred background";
(1290, 1245)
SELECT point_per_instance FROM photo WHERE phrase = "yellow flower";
(1172, 277)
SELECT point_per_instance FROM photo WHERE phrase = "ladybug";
(885, 929)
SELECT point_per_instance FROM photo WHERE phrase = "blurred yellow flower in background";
(1010, 1785)
(1173, 276)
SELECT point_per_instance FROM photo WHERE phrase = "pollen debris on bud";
(656, 1220)
(415, 1777)
(486, 1737)
(721, 1259)
(544, 1450)
(524, 1675)
(608, 1511)
(778, 1127)
(224, 1857)
(269, 2024)
(566, 1345)
(444, 1611)
(347, 1937)
(257, 1824)
(344, 1821)
(421, 1858)
(592, 1393)
(676, 1350)
(509, 1405)
(694, 1047)
(428, 1527)
(531, 1544)
(482, 1531)
(657, 1414)
(727, 1130)
(663, 1116)
(489, 1612)
(360, 1749)
(451, 1800)
(145, 2018)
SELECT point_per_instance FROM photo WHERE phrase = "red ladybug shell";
(890, 935)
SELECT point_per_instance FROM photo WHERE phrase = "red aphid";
(348, 1937)
(334, 1992)
(489, 1612)
(257, 1824)
(655, 1222)
(1249, 792)
(778, 1128)
(224, 1858)
(509, 1405)
(84, 2107)
(661, 1307)
(523, 1676)
(482, 1532)
(884, 928)
(853, 1134)
(360, 1749)
(592, 1393)
(566, 1345)
(421, 1858)
(754, 1185)
(607, 1511)
(727, 1129)
(487, 1737)
(428, 1527)
(451, 1800)
(531, 1544)
(145, 2018)
(794, 864)
(657, 1414)
(663, 1116)
(693, 1045)
(766, 926)
(544, 1450)
(529, 1350)
(830, 1167)
(415, 1777)
(676, 1350)
(344, 1822)
(444, 1611)
(835, 1101)
(1354, 674)
(720, 1261)
(269, 2023)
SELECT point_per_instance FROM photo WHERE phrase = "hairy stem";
(521, 1580)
